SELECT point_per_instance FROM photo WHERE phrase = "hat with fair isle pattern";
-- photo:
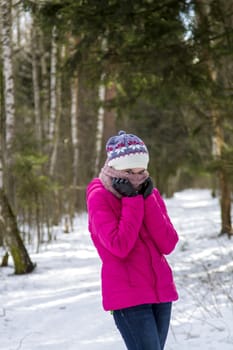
(126, 151)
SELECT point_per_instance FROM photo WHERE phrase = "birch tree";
(35, 75)
(6, 7)
(8, 224)
(44, 84)
(109, 114)
(53, 122)
(100, 126)
(53, 84)
(17, 13)
(74, 128)
(105, 122)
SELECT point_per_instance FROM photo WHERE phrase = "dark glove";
(124, 187)
(146, 188)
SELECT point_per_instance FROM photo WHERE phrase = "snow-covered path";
(58, 307)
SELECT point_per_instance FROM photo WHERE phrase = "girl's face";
(135, 171)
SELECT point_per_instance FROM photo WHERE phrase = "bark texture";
(11, 237)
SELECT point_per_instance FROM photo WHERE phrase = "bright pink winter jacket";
(131, 236)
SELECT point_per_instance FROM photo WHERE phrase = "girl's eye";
(129, 171)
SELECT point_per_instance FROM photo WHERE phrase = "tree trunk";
(223, 178)
(17, 11)
(54, 112)
(109, 117)
(74, 128)
(225, 203)
(53, 85)
(36, 85)
(75, 143)
(8, 71)
(203, 14)
(8, 225)
(12, 239)
(55, 141)
(44, 86)
(100, 127)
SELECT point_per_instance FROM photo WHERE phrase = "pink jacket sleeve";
(158, 223)
(117, 233)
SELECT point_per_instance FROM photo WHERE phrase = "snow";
(58, 306)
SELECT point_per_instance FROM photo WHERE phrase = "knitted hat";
(126, 151)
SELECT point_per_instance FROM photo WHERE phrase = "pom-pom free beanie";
(126, 151)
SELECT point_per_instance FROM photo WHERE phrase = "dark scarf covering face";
(107, 174)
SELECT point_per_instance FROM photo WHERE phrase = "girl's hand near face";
(124, 187)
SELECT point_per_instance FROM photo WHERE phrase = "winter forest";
(73, 73)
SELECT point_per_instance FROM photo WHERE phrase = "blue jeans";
(144, 327)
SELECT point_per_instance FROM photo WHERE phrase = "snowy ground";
(58, 307)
